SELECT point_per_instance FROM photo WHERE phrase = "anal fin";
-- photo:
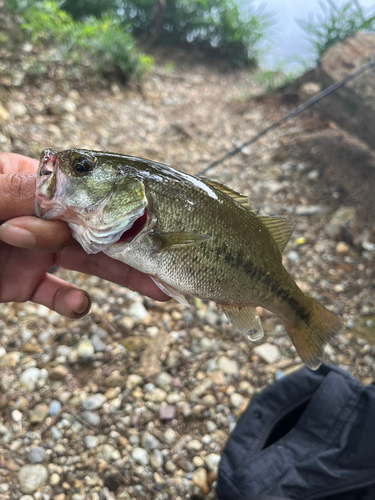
(245, 320)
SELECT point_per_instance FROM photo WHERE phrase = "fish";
(193, 236)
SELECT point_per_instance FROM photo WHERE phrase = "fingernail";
(84, 305)
(17, 236)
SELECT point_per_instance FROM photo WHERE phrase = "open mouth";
(45, 184)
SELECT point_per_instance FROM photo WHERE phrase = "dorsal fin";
(280, 229)
(239, 198)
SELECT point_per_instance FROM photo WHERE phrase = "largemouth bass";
(193, 236)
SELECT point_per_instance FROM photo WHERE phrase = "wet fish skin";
(196, 237)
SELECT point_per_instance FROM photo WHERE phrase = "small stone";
(149, 442)
(218, 377)
(60, 496)
(91, 442)
(39, 413)
(156, 396)
(29, 378)
(91, 417)
(268, 352)
(59, 372)
(293, 256)
(16, 416)
(236, 400)
(114, 379)
(342, 247)
(108, 452)
(133, 381)
(199, 478)
(85, 349)
(32, 477)
(202, 388)
(198, 461)
(4, 487)
(156, 459)
(309, 209)
(112, 392)
(170, 435)
(17, 109)
(194, 445)
(26, 497)
(140, 456)
(209, 400)
(4, 114)
(170, 467)
(339, 288)
(36, 455)
(54, 407)
(94, 402)
(163, 380)
(167, 412)
(54, 479)
(137, 312)
(98, 344)
(211, 426)
(227, 366)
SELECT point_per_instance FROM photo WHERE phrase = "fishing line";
(293, 113)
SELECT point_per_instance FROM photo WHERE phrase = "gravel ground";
(137, 399)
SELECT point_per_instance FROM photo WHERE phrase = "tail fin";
(311, 335)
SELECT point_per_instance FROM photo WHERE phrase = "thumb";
(17, 195)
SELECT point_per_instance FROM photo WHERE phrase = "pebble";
(91, 442)
(268, 352)
(36, 455)
(167, 412)
(140, 456)
(94, 402)
(293, 256)
(32, 477)
(194, 445)
(54, 407)
(156, 459)
(163, 380)
(227, 366)
(59, 372)
(133, 381)
(4, 114)
(29, 378)
(85, 349)
(236, 400)
(16, 416)
(114, 379)
(17, 109)
(170, 435)
(199, 479)
(309, 209)
(137, 312)
(212, 461)
(54, 479)
(149, 442)
(156, 396)
(91, 417)
(99, 345)
(26, 497)
(342, 247)
(39, 413)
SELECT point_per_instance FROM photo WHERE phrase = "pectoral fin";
(245, 320)
(166, 241)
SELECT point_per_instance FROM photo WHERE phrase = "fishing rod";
(293, 113)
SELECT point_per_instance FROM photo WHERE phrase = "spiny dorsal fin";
(239, 198)
(280, 229)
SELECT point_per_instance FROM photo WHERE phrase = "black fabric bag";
(309, 436)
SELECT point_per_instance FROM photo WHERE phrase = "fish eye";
(82, 166)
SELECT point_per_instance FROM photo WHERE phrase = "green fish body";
(192, 236)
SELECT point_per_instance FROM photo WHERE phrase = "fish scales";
(192, 236)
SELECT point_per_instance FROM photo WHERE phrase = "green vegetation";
(216, 26)
(336, 24)
(103, 40)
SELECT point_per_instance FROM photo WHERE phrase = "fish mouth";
(47, 180)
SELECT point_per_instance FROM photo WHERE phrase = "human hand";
(29, 247)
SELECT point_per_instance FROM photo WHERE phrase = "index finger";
(13, 163)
